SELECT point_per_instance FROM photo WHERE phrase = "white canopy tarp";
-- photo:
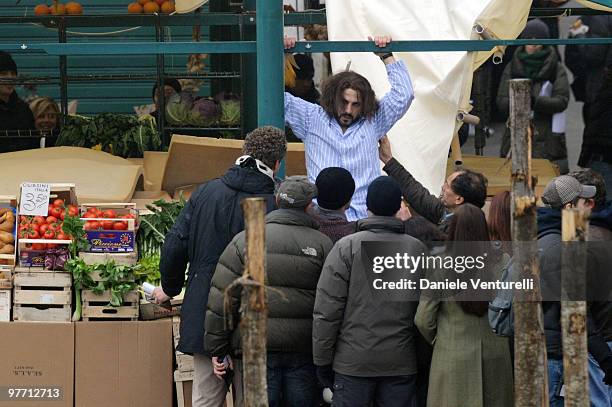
(442, 80)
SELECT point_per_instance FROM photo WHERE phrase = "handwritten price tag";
(34, 199)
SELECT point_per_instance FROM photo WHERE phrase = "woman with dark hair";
(470, 366)
(499, 220)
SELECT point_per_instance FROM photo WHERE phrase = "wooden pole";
(573, 310)
(253, 310)
(530, 387)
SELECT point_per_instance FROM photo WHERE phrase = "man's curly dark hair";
(267, 144)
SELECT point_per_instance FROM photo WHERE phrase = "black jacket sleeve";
(419, 198)
(175, 251)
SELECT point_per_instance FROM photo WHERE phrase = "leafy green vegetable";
(154, 227)
(149, 270)
(120, 134)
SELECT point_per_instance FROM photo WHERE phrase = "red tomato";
(35, 227)
(73, 210)
(23, 234)
(39, 246)
(58, 203)
(51, 219)
(62, 215)
(107, 224)
(94, 225)
(23, 227)
(62, 236)
(33, 234)
(56, 211)
(39, 220)
(49, 234)
(120, 226)
(90, 215)
(109, 214)
(23, 219)
(50, 208)
(43, 228)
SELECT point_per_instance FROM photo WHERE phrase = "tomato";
(39, 246)
(93, 225)
(33, 234)
(23, 219)
(49, 234)
(107, 224)
(93, 210)
(120, 226)
(23, 227)
(109, 214)
(90, 215)
(50, 208)
(51, 219)
(56, 211)
(58, 203)
(62, 236)
(39, 220)
(43, 228)
(23, 234)
(73, 210)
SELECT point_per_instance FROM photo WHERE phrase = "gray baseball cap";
(565, 189)
(296, 192)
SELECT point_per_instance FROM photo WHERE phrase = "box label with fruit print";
(110, 241)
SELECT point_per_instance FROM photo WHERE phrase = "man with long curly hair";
(343, 131)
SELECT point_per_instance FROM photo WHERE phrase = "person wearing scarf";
(549, 93)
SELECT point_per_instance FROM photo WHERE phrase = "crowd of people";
(326, 330)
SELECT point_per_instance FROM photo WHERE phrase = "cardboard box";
(127, 364)
(37, 356)
(109, 239)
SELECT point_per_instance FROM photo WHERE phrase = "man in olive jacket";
(295, 252)
(207, 223)
(368, 342)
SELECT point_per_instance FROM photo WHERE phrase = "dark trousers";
(292, 380)
(389, 391)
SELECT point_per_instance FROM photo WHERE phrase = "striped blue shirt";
(356, 149)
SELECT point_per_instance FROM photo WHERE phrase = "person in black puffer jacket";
(295, 253)
(209, 221)
(565, 192)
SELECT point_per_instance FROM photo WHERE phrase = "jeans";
(555, 382)
(292, 380)
(600, 393)
(605, 169)
(389, 391)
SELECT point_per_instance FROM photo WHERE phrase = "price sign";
(34, 199)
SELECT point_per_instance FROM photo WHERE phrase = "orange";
(143, 2)
(151, 7)
(74, 8)
(42, 10)
(134, 8)
(58, 9)
(167, 7)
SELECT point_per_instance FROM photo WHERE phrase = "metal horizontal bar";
(565, 12)
(240, 47)
(135, 48)
(200, 131)
(433, 45)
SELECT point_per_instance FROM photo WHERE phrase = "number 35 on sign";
(34, 199)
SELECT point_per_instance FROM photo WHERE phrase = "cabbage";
(205, 112)
(230, 113)
(178, 108)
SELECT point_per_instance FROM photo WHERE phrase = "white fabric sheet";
(421, 139)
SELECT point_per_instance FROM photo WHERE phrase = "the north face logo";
(309, 251)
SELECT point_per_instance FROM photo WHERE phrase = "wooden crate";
(96, 308)
(6, 277)
(127, 259)
(184, 385)
(5, 305)
(42, 296)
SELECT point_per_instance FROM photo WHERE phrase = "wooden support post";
(573, 308)
(530, 387)
(253, 310)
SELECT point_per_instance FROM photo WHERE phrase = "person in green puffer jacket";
(295, 253)
(549, 92)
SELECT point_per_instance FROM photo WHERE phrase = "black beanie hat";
(305, 65)
(7, 63)
(336, 187)
(384, 196)
(536, 29)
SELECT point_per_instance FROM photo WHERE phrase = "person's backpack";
(501, 316)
